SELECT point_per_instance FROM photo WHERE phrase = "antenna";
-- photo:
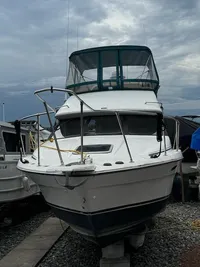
(77, 38)
(3, 109)
(145, 34)
(67, 52)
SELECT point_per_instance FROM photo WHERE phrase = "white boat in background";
(110, 166)
(32, 126)
(13, 184)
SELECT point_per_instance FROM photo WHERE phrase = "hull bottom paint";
(108, 226)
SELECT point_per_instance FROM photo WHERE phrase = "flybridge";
(112, 68)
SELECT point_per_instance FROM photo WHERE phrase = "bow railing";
(82, 104)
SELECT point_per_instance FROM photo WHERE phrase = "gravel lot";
(172, 242)
(11, 236)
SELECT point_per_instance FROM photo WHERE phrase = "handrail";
(82, 102)
(165, 148)
(56, 89)
(177, 127)
(125, 140)
(56, 141)
(151, 81)
(81, 125)
(177, 135)
(38, 137)
(35, 115)
(61, 90)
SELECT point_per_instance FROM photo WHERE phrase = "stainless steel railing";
(37, 115)
(82, 104)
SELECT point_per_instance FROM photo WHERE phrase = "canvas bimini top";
(125, 67)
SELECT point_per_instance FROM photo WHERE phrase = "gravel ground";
(172, 242)
(11, 236)
(167, 247)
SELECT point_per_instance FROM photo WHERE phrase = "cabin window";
(108, 125)
(10, 140)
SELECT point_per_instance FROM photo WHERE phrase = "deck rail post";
(81, 121)
(54, 134)
(38, 138)
(124, 136)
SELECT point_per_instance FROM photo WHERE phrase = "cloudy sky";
(33, 45)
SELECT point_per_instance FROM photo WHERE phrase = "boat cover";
(187, 129)
(195, 142)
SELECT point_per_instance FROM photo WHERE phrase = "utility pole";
(3, 107)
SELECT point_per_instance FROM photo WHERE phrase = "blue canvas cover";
(195, 142)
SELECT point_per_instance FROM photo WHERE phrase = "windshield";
(108, 125)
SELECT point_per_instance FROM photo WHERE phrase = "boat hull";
(109, 205)
(111, 225)
(11, 183)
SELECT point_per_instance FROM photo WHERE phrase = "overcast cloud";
(33, 42)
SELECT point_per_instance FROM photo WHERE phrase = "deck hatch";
(98, 148)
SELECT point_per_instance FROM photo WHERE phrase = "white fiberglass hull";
(12, 184)
(108, 204)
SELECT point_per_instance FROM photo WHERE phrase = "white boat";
(110, 167)
(13, 184)
(32, 126)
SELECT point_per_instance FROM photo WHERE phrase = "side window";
(11, 142)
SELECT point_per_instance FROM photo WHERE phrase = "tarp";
(195, 142)
(187, 129)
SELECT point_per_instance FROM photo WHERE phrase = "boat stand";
(115, 256)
